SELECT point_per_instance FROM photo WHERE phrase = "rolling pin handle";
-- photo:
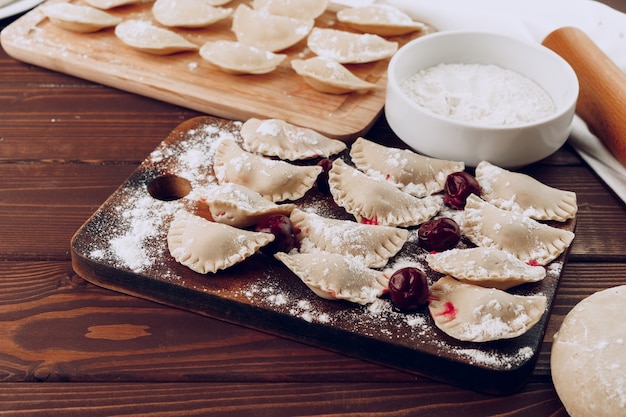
(602, 97)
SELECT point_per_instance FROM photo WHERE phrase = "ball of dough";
(588, 358)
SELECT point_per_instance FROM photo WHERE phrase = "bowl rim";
(393, 82)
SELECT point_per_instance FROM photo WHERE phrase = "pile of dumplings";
(386, 194)
(260, 37)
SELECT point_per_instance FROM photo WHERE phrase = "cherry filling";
(284, 235)
(439, 234)
(448, 311)
(458, 186)
(322, 179)
(408, 288)
(373, 220)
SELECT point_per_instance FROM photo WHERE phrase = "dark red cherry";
(439, 234)
(281, 227)
(322, 179)
(408, 288)
(458, 186)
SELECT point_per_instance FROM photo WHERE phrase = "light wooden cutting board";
(187, 80)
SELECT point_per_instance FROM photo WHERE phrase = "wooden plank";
(186, 80)
(42, 205)
(271, 400)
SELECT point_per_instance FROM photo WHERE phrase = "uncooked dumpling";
(188, 13)
(274, 137)
(487, 267)
(349, 48)
(239, 206)
(415, 174)
(206, 246)
(519, 192)
(77, 18)
(268, 31)
(476, 314)
(274, 180)
(336, 277)
(374, 245)
(110, 4)
(238, 58)
(328, 76)
(533, 242)
(379, 19)
(144, 36)
(376, 201)
(299, 9)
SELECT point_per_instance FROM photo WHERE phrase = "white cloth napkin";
(533, 20)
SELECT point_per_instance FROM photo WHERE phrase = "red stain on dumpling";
(449, 310)
(370, 221)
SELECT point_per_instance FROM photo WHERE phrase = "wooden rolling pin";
(602, 98)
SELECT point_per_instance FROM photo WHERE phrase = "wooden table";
(70, 348)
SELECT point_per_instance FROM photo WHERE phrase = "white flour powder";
(479, 94)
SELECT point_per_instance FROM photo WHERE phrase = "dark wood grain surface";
(70, 348)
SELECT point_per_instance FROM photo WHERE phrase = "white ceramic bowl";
(506, 146)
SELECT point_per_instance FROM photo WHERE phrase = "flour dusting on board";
(137, 235)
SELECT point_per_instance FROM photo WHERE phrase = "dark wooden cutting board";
(123, 247)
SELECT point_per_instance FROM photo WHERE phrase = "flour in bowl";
(481, 94)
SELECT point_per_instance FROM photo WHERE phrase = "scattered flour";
(496, 359)
(137, 237)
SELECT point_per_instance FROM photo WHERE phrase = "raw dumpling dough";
(274, 180)
(336, 277)
(486, 267)
(588, 358)
(77, 18)
(268, 31)
(206, 246)
(299, 9)
(379, 19)
(415, 174)
(188, 13)
(533, 242)
(373, 245)
(238, 206)
(476, 314)
(519, 192)
(144, 36)
(110, 4)
(349, 48)
(376, 201)
(328, 76)
(238, 58)
(274, 137)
